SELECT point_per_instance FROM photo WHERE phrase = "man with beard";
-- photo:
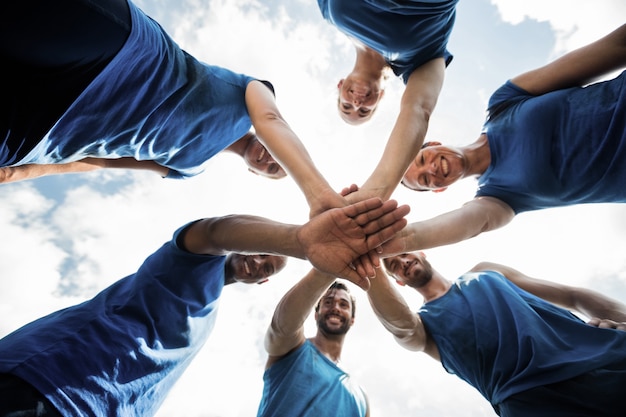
(302, 375)
(498, 330)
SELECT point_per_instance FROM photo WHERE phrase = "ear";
(439, 190)
(340, 83)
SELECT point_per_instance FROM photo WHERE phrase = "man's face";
(260, 161)
(334, 315)
(434, 168)
(410, 269)
(255, 269)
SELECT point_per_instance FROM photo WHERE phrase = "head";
(260, 161)
(252, 269)
(358, 98)
(434, 168)
(334, 312)
(410, 269)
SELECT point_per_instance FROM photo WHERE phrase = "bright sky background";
(68, 237)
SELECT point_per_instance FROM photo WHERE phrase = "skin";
(412, 269)
(334, 318)
(253, 269)
(359, 94)
(254, 154)
(436, 167)
(330, 241)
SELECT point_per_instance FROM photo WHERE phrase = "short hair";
(337, 285)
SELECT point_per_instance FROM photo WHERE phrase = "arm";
(30, 171)
(330, 241)
(590, 303)
(578, 67)
(285, 146)
(396, 316)
(479, 215)
(286, 331)
(418, 102)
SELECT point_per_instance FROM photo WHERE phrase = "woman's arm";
(588, 302)
(30, 171)
(578, 67)
(285, 146)
(418, 102)
(479, 215)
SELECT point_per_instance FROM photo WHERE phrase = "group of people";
(118, 92)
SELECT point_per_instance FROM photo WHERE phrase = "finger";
(356, 278)
(376, 213)
(361, 207)
(386, 220)
(374, 240)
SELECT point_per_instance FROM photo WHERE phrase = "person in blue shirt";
(303, 376)
(511, 336)
(93, 84)
(119, 353)
(409, 38)
(547, 142)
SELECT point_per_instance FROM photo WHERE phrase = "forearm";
(297, 304)
(243, 234)
(30, 171)
(403, 145)
(394, 314)
(407, 137)
(473, 218)
(593, 304)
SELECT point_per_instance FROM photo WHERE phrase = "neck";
(239, 146)
(478, 156)
(436, 287)
(330, 346)
(369, 63)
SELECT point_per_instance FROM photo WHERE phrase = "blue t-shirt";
(120, 353)
(407, 34)
(305, 383)
(561, 148)
(152, 102)
(503, 340)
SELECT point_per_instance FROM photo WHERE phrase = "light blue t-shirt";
(120, 353)
(560, 148)
(503, 340)
(305, 383)
(407, 34)
(152, 102)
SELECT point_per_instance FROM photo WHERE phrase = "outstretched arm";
(285, 146)
(286, 331)
(331, 241)
(396, 316)
(418, 102)
(578, 67)
(475, 217)
(30, 171)
(603, 311)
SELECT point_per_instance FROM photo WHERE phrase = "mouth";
(246, 266)
(261, 155)
(333, 319)
(445, 166)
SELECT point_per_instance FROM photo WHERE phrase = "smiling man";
(303, 376)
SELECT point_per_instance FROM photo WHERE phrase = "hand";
(337, 237)
(607, 324)
(325, 200)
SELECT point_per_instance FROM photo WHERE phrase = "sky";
(67, 237)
